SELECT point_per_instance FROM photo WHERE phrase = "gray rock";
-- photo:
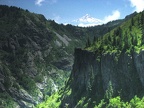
(22, 97)
(92, 75)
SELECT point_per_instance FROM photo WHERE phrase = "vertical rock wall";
(92, 74)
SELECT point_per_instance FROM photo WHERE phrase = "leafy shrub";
(52, 102)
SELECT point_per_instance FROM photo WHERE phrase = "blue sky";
(80, 12)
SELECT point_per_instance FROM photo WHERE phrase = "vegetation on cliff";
(128, 37)
(54, 101)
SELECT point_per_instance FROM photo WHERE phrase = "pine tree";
(132, 22)
(95, 39)
(88, 43)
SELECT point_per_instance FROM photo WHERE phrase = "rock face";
(92, 75)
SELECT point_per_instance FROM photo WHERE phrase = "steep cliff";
(92, 76)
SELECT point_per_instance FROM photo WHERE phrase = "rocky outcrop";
(92, 75)
(23, 98)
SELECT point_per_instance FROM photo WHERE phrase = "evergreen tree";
(109, 38)
(132, 22)
(95, 39)
(88, 43)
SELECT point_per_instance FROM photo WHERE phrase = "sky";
(80, 12)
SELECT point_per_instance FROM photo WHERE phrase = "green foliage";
(82, 103)
(118, 103)
(109, 91)
(51, 102)
(101, 104)
(88, 43)
(137, 102)
(114, 102)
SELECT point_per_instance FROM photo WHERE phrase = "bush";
(51, 102)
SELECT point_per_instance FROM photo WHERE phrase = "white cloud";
(39, 2)
(138, 5)
(115, 15)
(57, 18)
(87, 20)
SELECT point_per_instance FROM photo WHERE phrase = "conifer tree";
(132, 22)
(94, 39)
(88, 43)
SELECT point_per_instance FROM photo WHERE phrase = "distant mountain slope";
(36, 54)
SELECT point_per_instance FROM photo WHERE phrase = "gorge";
(48, 65)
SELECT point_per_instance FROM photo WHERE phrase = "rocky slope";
(29, 54)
